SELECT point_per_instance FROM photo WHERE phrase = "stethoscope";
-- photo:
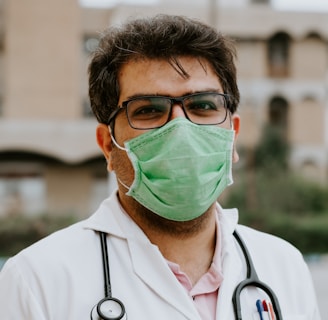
(110, 308)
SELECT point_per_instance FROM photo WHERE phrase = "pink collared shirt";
(205, 292)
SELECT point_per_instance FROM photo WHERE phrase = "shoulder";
(273, 256)
(256, 241)
(281, 265)
(55, 260)
(66, 237)
(265, 242)
(42, 277)
(56, 250)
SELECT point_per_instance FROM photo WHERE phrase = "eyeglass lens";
(154, 111)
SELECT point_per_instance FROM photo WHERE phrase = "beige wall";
(42, 46)
(307, 123)
(250, 129)
(308, 59)
(252, 59)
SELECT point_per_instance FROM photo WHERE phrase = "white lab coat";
(61, 277)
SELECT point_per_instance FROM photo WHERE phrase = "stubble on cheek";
(122, 166)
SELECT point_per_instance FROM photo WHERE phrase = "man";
(164, 92)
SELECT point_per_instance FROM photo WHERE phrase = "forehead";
(156, 76)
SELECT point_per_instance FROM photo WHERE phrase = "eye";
(146, 109)
(202, 106)
(147, 112)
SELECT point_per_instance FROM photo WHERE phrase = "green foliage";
(284, 205)
(273, 199)
(18, 232)
(273, 149)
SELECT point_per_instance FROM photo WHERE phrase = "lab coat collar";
(227, 218)
(110, 218)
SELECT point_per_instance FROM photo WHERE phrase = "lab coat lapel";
(150, 266)
(232, 270)
(108, 218)
(232, 264)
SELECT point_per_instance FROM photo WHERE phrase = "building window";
(22, 194)
(278, 112)
(310, 170)
(261, 1)
(278, 54)
(90, 43)
(87, 112)
(314, 36)
(2, 41)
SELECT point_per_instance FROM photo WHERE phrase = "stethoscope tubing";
(112, 306)
(104, 250)
(252, 280)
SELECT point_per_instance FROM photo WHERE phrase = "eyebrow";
(139, 95)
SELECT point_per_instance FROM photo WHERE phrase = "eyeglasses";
(149, 112)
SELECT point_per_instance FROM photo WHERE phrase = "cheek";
(122, 166)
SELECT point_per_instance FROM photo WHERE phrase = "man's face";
(156, 77)
(153, 77)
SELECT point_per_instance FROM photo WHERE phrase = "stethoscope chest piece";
(109, 309)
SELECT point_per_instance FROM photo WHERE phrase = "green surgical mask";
(180, 168)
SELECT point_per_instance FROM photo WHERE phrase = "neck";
(190, 244)
(194, 253)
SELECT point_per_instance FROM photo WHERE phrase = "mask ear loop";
(114, 141)
(232, 128)
(230, 120)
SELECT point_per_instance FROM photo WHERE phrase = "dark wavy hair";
(160, 37)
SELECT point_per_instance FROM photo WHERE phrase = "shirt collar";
(226, 221)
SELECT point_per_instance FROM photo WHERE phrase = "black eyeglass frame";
(174, 100)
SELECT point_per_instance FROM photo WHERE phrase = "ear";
(104, 141)
(236, 126)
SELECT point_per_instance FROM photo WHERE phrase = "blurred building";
(49, 160)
